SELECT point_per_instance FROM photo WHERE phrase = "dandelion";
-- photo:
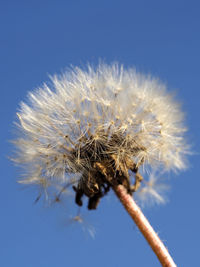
(96, 129)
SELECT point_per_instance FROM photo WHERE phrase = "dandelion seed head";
(106, 113)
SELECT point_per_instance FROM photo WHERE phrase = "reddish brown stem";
(152, 238)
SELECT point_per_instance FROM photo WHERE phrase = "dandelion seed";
(81, 220)
(153, 191)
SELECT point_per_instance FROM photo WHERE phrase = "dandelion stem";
(146, 229)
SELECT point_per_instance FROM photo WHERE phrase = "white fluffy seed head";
(84, 108)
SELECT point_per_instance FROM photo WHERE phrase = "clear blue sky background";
(38, 38)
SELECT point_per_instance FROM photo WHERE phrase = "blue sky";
(40, 38)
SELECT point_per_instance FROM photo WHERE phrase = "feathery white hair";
(84, 107)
